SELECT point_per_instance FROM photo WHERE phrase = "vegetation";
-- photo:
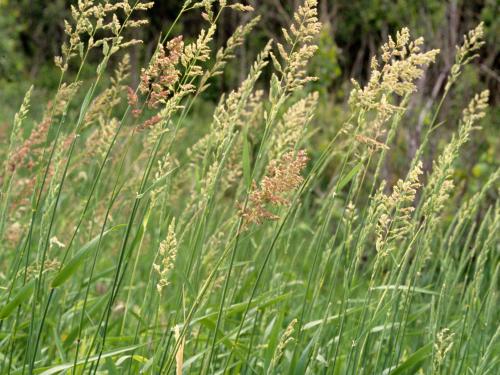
(146, 229)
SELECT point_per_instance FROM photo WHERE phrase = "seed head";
(167, 253)
(284, 176)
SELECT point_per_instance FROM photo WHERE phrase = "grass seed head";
(283, 177)
(167, 254)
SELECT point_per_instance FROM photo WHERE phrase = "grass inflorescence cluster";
(130, 244)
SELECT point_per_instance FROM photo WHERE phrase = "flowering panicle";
(300, 47)
(102, 106)
(252, 114)
(98, 143)
(285, 339)
(233, 109)
(89, 19)
(466, 53)
(198, 51)
(283, 177)
(442, 345)
(166, 254)
(440, 182)
(233, 169)
(395, 210)
(16, 134)
(20, 117)
(227, 53)
(208, 183)
(290, 129)
(159, 78)
(230, 110)
(50, 265)
(29, 151)
(101, 110)
(161, 81)
(165, 165)
(475, 110)
(402, 65)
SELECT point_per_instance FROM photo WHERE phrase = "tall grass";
(131, 244)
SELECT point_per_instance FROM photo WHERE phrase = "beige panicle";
(440, 183)
(165, 166)
(227, 119)
(224, 54)
(199, 51)
(102, 106)
(229, 111)
(167, 254)
(442, 346)
(299, 48)
(90, 19)
(473, 41)
(285, 339)
(290, 130)
(99, 115)
(395, 211)
(402, 64)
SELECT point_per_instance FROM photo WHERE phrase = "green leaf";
(156, 184)
(272, 336)
(274, 89)
(304, 359)
(237, 348)
(329, 319)
(70, 365)
(349, 176)
(110, 366)
(405, 288)
(260, 302)
(22, 295)
(85, 105)
(135, 357)
(72, 266)
(105, 47)
(246, 162)
(277, 66)
(411, 361)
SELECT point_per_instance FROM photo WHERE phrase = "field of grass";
(142, 231)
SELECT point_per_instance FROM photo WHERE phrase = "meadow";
(143, 231)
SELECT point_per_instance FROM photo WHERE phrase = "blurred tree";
(11, 57)
(32, 32)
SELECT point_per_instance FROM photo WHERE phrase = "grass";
(132, 244)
